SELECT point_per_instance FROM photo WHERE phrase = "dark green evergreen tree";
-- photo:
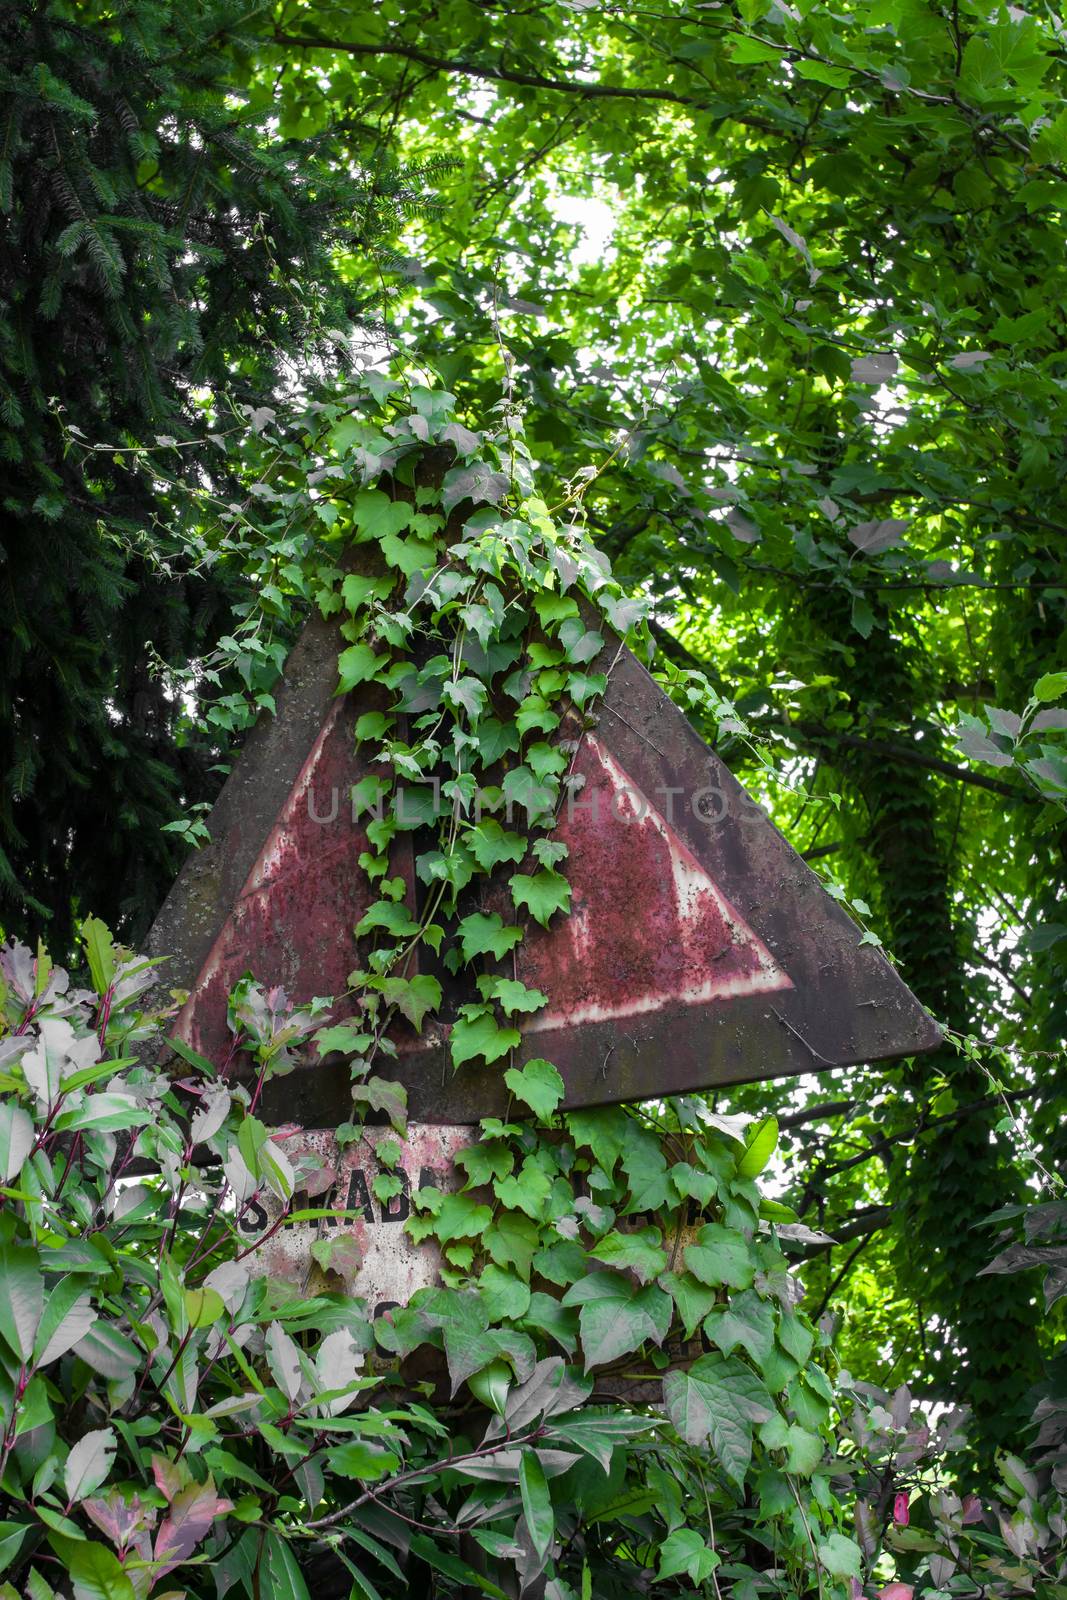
(159, 241)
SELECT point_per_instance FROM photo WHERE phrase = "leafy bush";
(175, 1422)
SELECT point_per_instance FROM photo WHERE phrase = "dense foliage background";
(792, 279)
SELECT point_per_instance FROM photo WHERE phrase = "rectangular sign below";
(368, 1253)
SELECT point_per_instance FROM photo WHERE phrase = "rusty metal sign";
(700, 951)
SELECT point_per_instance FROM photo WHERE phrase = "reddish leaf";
(191, 1514)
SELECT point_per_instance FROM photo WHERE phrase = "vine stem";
(479, 1454)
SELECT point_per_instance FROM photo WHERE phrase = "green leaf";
(841, 1557)
(505, 1296)
(512, 996)
(720, 1256)
(511, 1240)
(12, 1537)
(522, 788)
(413, 997)
(684, 1551)
(362, 1459)
(408, 555)
(16, 1139)
(476, 1032)
(99, 952)
(486, 935)
(492, 1383)
(641, 1252)
(358, 664)
(761, 1140)
(1051, 686)
(539, 1085)
(746, 1320)
(68, 1316)
(692, 1300)
(536, 1502)
(278, 1575)
(490, 844)
(377, 516)
(528, 1190)
(21, 1298)
(616, 1316)
(717, 1402)
(461, 1217)
(89, 1463)
(391, 915)
(96, 1572)
(109, 1352)
(543, 894)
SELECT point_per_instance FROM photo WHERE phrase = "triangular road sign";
(700, 950)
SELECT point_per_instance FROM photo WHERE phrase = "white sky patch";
(594, 218)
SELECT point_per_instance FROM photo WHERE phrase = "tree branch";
(489, 74)
(816, 733)
(826, 1108)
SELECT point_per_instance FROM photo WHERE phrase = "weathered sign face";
(700, 950)
(366, 1252)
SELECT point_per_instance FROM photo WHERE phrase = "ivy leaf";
(747, 1321)
(511, 1240)
(585, 686)
(527, 1190)
(717, 1401)
(408, 555)
(358, 664)
(841, 1557)
(616, 1316)
(719, 1256)
(505, 1295)
(477, 483)
(512, 996)
(486, 935)
(357, 590)
(538, 1085)
(377, 515)
(476, 1032)
(413, 997)
(553, 608)
(522, 788)
(640, 1253)
(685, 1551)
(543, 894)
(382, 1094)
(581, 644)
(468, 694)
(490, 844)
(692, 1299)
(391, 915)
(461, 1217)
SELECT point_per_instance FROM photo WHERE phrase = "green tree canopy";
(161, 246)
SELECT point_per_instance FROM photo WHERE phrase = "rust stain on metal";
(368, 1252)
(648, 927)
